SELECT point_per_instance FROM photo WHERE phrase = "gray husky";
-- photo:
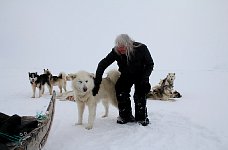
(164, 90)
(60, 80)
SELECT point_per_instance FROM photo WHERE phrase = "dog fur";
(39, 81)
(164, 90)
(60, 80)
(83, 84)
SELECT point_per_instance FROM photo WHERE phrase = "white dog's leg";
(33, 91)
(64, 86)
(81, 107)
(92, 113)
(60, 89)
(106, 107)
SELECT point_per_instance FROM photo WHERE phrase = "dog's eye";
(80, 82)
(86, 81)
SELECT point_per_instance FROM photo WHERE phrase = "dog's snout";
(84, 88)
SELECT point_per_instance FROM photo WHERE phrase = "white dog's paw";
(105, 115)
(79, 123)
(33, 97)
(89, 127)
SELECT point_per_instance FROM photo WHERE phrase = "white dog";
(83, 84)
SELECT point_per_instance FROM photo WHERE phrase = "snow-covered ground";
(186, 37)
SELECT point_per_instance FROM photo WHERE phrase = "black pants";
(123, 89)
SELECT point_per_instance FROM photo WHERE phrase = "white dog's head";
(82, 82)
(171, 77)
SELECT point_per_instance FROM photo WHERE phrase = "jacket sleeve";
(102, 65)
(148, 65)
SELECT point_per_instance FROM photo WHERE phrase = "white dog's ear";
(92, 75)
(72, 76)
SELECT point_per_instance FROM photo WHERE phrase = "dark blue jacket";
(139, 67)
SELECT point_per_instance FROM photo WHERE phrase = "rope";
(22, 136)
(12, 138)
(40, 116)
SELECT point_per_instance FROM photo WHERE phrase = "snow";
(188, 37)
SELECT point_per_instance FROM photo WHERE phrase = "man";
(135, 64)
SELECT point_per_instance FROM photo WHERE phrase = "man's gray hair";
(125, 40)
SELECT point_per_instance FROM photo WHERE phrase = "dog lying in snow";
(164, 90)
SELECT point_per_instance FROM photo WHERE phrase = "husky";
(83, 84)
(39, 81)
(160, 93)
(60, 80)
(164, 90)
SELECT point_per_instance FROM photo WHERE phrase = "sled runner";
(37, 137)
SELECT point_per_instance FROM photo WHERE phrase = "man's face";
(121, 49)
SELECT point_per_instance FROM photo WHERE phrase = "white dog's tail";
(113, 75)
(64, 82)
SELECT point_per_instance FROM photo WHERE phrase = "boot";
(141, 110)
(125, 111)
(144, 122)
(121, 120)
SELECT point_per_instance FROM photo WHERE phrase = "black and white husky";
(164, 90)
(39, 81)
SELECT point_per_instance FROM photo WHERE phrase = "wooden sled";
(36, 139)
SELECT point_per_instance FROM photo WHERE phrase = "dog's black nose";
(84, 89)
